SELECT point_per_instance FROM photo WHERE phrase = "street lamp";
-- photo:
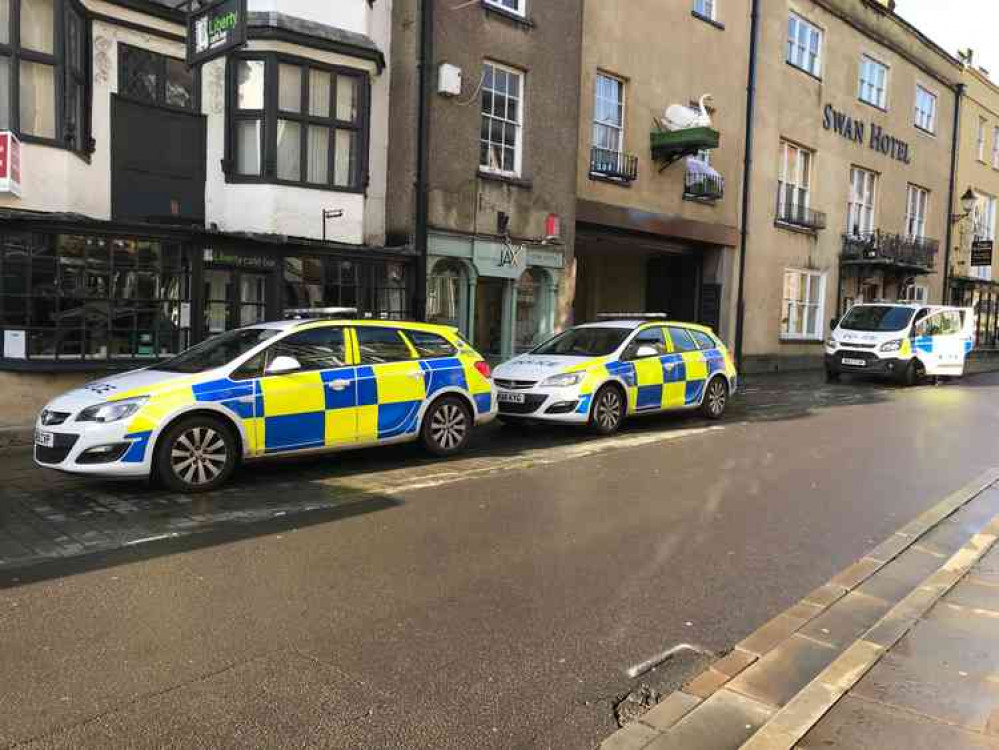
(968, 201)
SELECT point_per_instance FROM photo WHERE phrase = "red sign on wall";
(10, 164)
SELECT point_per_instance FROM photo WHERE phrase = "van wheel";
(912, 373)
(608, 410)
(447, 426)
(715, 399)
(197, 454)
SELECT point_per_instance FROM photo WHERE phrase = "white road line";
(148, 539)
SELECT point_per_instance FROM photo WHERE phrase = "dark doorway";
(671, 286)
(157, 164)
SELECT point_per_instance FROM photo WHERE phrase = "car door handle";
(338, 385)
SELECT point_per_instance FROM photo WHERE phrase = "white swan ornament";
(680, 117)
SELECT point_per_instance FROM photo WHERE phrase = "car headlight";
(891, 346)
(564, 381)
(112, 411)
(832, 343)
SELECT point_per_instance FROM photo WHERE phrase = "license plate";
(511, 398)
(854, 362)
(44, 439)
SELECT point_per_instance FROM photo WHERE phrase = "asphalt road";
(493, 602)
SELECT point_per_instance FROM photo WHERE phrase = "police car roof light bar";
(320, 313)
(632, 316)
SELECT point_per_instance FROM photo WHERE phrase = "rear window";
(381, 345)
(703, 340)
(430, 345)
(682, 342)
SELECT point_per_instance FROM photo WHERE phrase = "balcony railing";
(800, 216)
(883, 248)
(614, 165)
(701, 186)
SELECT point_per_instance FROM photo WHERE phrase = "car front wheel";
(196, 455)
(608, 411)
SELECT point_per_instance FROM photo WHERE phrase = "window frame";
(934, 99)
(520, 10)
(64, 76)
(983, 137)
(672, 342)
(782, 177)
(791, 44)
(920, 219)
(518, 152)
(819, 305)
(874, 179)
(995, 147)
(271, 114)
(712, 15)
(874, 61)
(161, 60)
(621, 104)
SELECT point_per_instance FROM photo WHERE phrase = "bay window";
(297, 122)
(45, 72)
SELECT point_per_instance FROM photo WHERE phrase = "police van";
(903, 341)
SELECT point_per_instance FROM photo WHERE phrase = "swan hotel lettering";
(857, 130)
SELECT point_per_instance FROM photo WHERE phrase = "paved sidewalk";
(901, 650)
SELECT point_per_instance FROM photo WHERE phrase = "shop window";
(446, 294)
(94, 297)
(297, 122)
(381, 345)
(873, 82)
(45, 87)
(531, 312)
(156, 79)
(501, 140)
(803, 303)
(804, 45)
(377, 289)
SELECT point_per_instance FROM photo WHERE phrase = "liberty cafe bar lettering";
(215, 29)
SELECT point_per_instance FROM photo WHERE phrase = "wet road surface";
(379, 600)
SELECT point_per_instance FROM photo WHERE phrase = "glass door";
(252, 298)
(233, 299)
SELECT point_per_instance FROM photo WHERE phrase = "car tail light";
(483, 367)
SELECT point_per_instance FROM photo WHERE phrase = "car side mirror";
(282, 365)
(646, 351)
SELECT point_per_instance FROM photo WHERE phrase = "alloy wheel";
(448, 426)
(609, 410)
(199, 455)
(717, 397)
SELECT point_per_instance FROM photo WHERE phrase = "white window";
(926, 110)
(863, 194)
(501, 140)
(873, 82)
(912, 292)
(995, 148)
(803, 303)
(804, 45)
(514, 6)
(984, 217)
(982, 123)
(608, 114)
(916, 204)
(706, 8)
(794, 182)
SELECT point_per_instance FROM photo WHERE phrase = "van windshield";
(597, 341)
(877, 318)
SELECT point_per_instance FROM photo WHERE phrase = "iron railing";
(614, 165)
(799, 216)
(703, 186)
(890, 249)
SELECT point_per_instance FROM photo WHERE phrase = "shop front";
(500, 294)
(89, 297)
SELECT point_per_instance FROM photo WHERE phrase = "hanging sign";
(981, 253)
(10, 164)
(215, 30)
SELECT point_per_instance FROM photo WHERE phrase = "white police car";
(600, 373)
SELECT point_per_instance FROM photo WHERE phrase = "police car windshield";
(584, 342)
(877, 318)
(217, 351)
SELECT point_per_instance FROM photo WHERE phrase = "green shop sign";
(215, 30)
